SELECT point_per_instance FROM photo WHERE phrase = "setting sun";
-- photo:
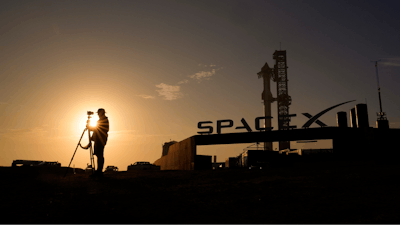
(81, 124)
(93, 120)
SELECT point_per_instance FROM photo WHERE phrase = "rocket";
(266, 73)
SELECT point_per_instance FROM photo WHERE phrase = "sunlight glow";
(81, 124)
(93, 120)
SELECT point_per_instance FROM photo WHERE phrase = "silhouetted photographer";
(100, 135)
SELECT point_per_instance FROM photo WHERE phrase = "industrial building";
(357, 139)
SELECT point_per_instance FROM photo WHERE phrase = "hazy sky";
(160, 67)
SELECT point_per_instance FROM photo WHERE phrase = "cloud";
(203, 65)
(146, 96)
(183, 81)
(169, 92)
(203, 75)
(391, 62)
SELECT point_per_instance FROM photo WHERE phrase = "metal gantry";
(283, 98)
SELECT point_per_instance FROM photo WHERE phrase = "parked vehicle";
(111, 169)
(143, 166)
(25, 163)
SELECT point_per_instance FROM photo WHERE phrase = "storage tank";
(353, 121)
(362, 116)
(341, 119)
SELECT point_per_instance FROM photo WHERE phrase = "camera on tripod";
(89, 146)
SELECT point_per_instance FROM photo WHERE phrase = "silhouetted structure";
(362, 116)
(20, 162)
(278, 75)
(309, 116)
(166, 147)
(314, 118)
(284, 100)
(231, 162)
(381, 122)
(266, 96)
(143, 166)
(341, 119)
(203, 162)
(256, 158)
(353, 120)
(218, 165)
(358, 141)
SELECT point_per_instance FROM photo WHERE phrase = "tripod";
(86, 147)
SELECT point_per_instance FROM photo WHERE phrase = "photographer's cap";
(101, 109)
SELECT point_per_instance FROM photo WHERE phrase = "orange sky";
(160, 67)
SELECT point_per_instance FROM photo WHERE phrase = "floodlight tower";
(382, 121)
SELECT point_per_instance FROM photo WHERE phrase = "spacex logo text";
(229, 123)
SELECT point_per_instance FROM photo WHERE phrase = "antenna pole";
(381, 114)
(379, 88)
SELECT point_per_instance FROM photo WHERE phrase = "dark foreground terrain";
(323, 192)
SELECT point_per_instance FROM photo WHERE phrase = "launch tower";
(279, 75)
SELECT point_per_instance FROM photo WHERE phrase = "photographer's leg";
(99, 152)
(100, 163)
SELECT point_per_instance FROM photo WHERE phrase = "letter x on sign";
(317, 121)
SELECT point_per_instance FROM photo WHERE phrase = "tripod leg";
(92, 160)
(91, 155)
(75, 151)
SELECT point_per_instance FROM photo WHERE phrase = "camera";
(90, 113)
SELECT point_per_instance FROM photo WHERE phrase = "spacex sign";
(208, 125)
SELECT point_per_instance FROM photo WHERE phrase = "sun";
(81, 123)
(93, 120)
